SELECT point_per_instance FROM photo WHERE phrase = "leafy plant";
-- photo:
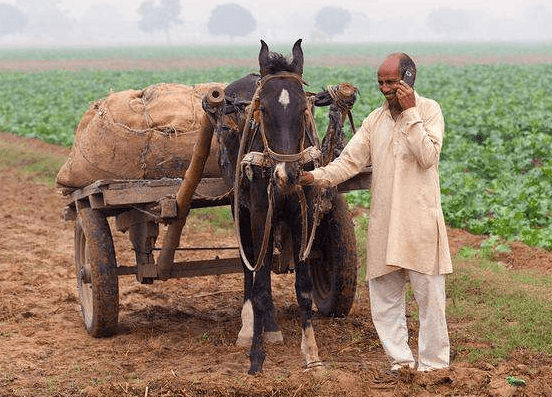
(495, 168)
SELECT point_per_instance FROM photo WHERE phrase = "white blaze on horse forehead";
(284, 98)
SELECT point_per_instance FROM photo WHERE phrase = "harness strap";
(308, 155)
(304, 222)
(307, 246)
(311, 153)
(267, 229)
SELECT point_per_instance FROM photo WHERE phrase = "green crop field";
(496, 169)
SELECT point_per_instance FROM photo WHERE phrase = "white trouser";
(387, 301)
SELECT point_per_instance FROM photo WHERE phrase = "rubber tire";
(335, 272)
(96, 270)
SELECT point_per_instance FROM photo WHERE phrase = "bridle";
(269, 156)
(267, 159)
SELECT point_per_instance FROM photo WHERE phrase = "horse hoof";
(273, 337)
(243, 341)
(256, 360)
(315, 366)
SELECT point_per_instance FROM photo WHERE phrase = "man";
(407, 238)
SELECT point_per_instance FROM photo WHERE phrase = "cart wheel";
(96, 266)
(334, 272)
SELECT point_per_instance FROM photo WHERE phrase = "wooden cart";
(140, 206)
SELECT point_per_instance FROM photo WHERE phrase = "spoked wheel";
(334, 270)
(96, 266)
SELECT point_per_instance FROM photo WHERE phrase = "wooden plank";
(137, 194)
(126, 270)
(84, 192)
(212, 187)
(138, 183)
(206, 267)
(107, 193)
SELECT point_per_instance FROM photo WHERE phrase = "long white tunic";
(407, 227)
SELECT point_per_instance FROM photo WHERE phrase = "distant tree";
(159, 17)
(12, 20)
(332, 20)
(231, 19)
(450, 23)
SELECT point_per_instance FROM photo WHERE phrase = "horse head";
(280, 108)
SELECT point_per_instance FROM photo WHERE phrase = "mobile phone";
(408, 77)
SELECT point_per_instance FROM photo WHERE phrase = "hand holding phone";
(405, 95)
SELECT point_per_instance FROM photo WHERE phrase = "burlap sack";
(139, 134)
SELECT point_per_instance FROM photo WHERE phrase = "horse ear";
(297, 53)
(263, 58)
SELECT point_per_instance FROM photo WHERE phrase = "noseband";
(267, 159)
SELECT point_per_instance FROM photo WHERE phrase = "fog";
(179, 22)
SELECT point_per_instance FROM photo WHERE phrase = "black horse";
(264, 144)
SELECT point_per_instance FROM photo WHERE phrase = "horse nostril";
(294, 171)
(292, 178)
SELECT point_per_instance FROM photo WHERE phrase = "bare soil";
(210, 62)
(176, 337)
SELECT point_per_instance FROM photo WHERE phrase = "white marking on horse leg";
(284, 98)
(309, 347)
(245, 336)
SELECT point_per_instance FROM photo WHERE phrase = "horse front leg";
(261, 296)
(245, 336)
(272, 333)
(304, 294)
(303, 290)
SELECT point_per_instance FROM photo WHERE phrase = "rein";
(267, 159)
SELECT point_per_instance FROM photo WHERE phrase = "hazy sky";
(377, 9)
(372, 20)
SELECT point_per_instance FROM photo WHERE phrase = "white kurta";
(407, 228)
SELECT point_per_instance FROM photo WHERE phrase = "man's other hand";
(306, 178)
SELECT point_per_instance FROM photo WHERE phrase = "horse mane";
(277, 63)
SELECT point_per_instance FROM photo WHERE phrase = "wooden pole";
(186, 191)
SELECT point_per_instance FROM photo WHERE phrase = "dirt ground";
(209, 62)
(176, 337)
